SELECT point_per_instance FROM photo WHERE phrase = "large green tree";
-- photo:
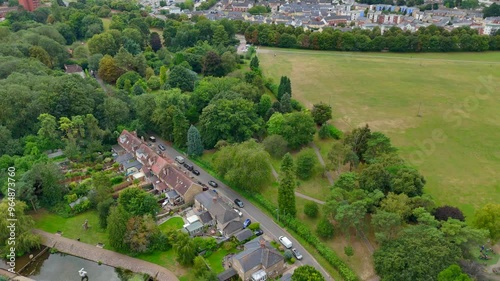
(25, 239)
(488, 217)
(245, 165)
(43, 180)
(103, 43)
(117, 227)
(182, 78)
(232, 120)
(138, 202)
(287, 185)
(140, 233)
(298, 129)
(184, 247)
(420, 253)
(306, 163)
(321, 112)
(194, 143)
(181, 127)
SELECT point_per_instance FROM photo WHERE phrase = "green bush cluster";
(328, 131)
(306, 234)
(116, 180)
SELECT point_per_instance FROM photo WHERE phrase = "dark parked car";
(196, 172)
(162, 147)
(213, 184)
(188, 166)
(258, 232)
(238, 203)
(247, 223)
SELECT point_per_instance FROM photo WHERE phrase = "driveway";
(270, 228)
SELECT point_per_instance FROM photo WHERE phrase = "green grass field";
(455, 142)
(72, 227)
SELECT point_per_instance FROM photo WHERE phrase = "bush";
(325, 228)
(228, 246)
(82, 207)
(311, 209)
(254, 226)
(116, 180)
(348, 251)
(329, 131)
(70, 198)
(306, 162)
(288, 255)
(292, 260)
(275, 145)
(296, 105)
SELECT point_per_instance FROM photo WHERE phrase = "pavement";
(267, 224)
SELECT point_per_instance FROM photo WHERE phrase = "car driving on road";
(213, 184)
(162, 147)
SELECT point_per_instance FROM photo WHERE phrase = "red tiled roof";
(158, 165)
(175, 179)
(129, 141)
(164, 168)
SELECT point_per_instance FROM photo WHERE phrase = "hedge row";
(311, 238)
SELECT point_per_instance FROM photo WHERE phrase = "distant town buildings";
(344, 15)
(29, 5)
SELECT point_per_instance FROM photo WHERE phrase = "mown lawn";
(172, 224)
(455, 141)
(215, 259)
(72, 227)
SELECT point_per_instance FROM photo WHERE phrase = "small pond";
(63, 267)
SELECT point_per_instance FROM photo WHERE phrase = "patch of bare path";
(309, 198)
(264, 50)
(322, 162)
(106, 257)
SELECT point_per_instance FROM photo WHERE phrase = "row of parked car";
(288, 244)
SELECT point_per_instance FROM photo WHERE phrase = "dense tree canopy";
(245, 165)
(419, 253)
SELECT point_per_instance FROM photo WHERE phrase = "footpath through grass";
(454, 142)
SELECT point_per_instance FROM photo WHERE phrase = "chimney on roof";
(134, 133)
(262, 243)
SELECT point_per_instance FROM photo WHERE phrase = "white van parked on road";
(286, 242)
(179, 159)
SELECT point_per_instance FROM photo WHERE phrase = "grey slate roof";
(205, 217)
(221, 211)
(232, 227)
(227, 274)
(243, 235)
(255, 255)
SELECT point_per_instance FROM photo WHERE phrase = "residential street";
(270, 228)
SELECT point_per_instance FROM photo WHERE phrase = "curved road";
(270, 228)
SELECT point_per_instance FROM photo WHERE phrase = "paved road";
(270, 228)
